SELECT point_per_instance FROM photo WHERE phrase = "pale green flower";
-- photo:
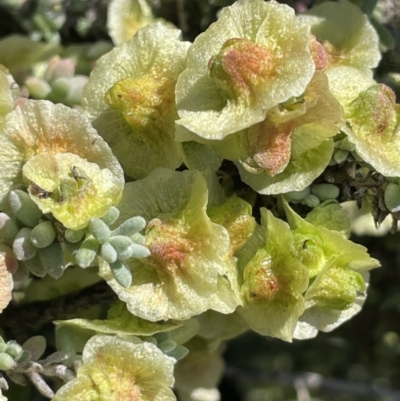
(190, 269)
(292, 146)
(130, 97)
(346, 35)
(254, 57)
(273, 279)
(338, 268)
(67, 167)
(126, 17)
(116, 369)
(374, 119)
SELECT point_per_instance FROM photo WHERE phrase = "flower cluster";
(135, 185)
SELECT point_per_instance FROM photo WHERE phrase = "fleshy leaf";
(117, 369)
(120, 322)
(273, 281)
(345, 33)
(190, 268)
(41, 137)
(126, 17)
(130, 98)
(374, 117)
(255, 56)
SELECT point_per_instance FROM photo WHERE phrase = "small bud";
(87, 252)
(131, 226)
(38, 88)
(167, 346)
(60, 89)
(24, 208)
(341, 155)
(297, 196)
(123, 245)
(24, 356)
(73, 236)
(22, 273)
(6, 361)
(8, 229)
(52, 259)
(13, 349)
(35, 266)
(310, 201)
(22, 246)
(111, 216)
(43, 234)
(150, 340)
(64, 68)
(122, 273)
(178, 353)
(392, 197)
(325, 191)
(137, 238)
(139, 251)
(108, 253)
(99, 230)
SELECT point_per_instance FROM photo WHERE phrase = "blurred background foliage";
(358, 361)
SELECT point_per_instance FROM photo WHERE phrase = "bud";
(60, 89)
(13, 349)
(392, 197)
(123, 245)
(37, 87)
(8, 229)
(35, 266)
(108, 253)
(139, 251)
(87, 252)
(73, 236)
(341, 155)
(167, 346)
(137, 238)
(99, 230)
(24, 208)
(111, 216)
(22, 273)
(121, 273)
(43, 234)
(64, 68)
(22, 246)
(325, 191)
(131, 226)
(178, 352)
(52, 259)
(310, 201)
(6, 361)
(297, 196)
